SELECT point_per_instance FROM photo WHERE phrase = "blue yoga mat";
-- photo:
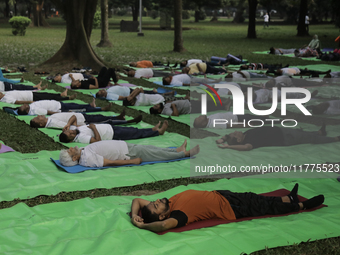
(79, 168)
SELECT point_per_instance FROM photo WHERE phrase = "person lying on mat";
(306, 52)
(3, 79)
(148, 64)
(186, 106)
(332, 77)
(187, 63)
(291, 71)
(102, 80)
(5, 70)
(187, 80)
(280, 51)
(69, 77)
(273, 136)
(260, 66)
(48, 107)
(205, 121)
(139, 98)
(195, 205)
(27, 97)
(64, 120)
(203, 68)
(331, 107)
(118, 153)
(97, 132)
(148, 73)
(241, 76)
(288, 81)
(8, 86)
(121, 92)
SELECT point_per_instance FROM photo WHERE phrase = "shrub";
(154, 14)
(121, 12)
(19, 24)
(202, 15)
(185, 14)
(96, 19)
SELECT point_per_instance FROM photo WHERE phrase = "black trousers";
(249, 204)
(105, 75)
(11, 86)
(37, 96)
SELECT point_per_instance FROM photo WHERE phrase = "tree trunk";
(135, 10)
(38, 15)
(104, 41)
(302, 31)
(178, 40)
(239, 13)
(77, 48)
(197, 15)
(252, 19)
(6, 9)
(15, 9)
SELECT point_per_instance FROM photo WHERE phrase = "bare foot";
(72, 97)
(219, 141)
(165, 125)
(122, 115)
(22, 79)
(64, 94)
(93, 104)
(107, 108)
(182, 147)
(44, 87)
(193, 151)
(154, 90)
(137, 119)
(155, 128)
(38, 85)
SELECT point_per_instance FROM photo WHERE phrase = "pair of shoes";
(22, 69)
(313, 202)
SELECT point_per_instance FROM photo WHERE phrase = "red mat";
(210, 223)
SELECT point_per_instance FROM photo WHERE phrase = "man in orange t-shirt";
(142, 64)
(194, 205)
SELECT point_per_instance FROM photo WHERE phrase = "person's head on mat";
(320, 108)
(131, 73)
(70, 157)
(75, 84)
(186, 70)
(270, 84)
(68, 135)
(272, 50)
(133, 64)
(183, 63)
(39, 122)
(157, 108)
(101, 93)
(24, 109)
(201, 121)
(57, 78)
(167, 80)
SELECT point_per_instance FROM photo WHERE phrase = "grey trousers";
(296, 136)
(152, 153)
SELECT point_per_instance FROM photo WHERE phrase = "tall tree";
(252, 19)
(79, 20)
(104, 41)
(302, 30)
(178, 39)
(38, 15)
(239, 13)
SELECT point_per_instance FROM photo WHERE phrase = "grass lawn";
(201, 40)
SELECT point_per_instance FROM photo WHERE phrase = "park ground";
(201, 40)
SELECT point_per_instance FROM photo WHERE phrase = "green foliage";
(121, 12)
(185, 14)
(19, 24)
(202, 15)
(97, 19)
(154, 14)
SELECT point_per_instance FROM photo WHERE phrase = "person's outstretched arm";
(174, 110)
(133, 94)
(121, 162)
(157, 226)
(23, 102)
(240, 147)
(95, 86)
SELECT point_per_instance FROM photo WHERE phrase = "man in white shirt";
(117, 153)
(307, 23)
(241, 76)
(27, 97)
(67, 78)
(118, 92)
(139, 98)
(187, 80)
(291, 71)
(64, 120)
(98, 132)
(48, 107)
(266, 20)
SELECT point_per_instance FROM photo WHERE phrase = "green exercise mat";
(102, 226)
(33, 174)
